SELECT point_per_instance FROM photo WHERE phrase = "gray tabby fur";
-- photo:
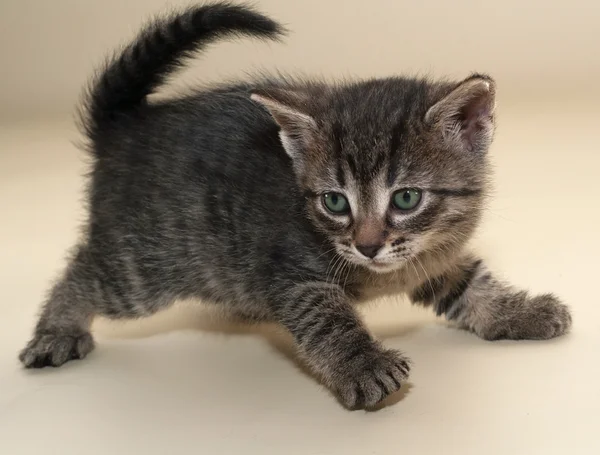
(219, 195)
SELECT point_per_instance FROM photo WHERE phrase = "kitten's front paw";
(540, 318)
(371, 377)
(54, 349)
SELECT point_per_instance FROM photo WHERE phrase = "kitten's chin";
(384, 267)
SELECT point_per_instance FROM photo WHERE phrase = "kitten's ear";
(465, 117)
(288, 109)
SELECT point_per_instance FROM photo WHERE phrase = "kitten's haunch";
(284, 199)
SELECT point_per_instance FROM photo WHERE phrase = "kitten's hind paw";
(371, 378)
(55, 348)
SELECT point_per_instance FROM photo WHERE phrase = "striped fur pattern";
(469, 294)
(222, 195)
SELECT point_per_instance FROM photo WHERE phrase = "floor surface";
(183, 382)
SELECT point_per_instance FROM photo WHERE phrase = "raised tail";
(160, 49)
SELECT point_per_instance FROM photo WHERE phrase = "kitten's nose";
(369, 251)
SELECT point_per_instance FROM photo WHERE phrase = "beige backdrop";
(182, 383)
(534, 48)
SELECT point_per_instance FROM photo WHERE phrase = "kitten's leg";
(335, 344)
(85, 290)
(471, 296)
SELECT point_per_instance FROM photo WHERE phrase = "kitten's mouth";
(381, 267)
(378, 264)
(375, 265)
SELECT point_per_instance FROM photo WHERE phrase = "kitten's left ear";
(465, 117)
(288, 109)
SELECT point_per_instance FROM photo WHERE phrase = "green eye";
(406, 199)
(336, 203)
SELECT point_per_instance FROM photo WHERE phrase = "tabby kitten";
(284, 200)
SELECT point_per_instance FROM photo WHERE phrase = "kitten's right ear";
(465, 116)
(288, 109)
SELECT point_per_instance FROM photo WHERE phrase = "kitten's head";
(392, 169)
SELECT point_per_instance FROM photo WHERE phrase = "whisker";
(349, 270)
(326, 252)
(339, 268)
(409, 259)
(333, 264)
(428, 279)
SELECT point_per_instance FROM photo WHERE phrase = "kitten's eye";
(336, 203)
(406, 199)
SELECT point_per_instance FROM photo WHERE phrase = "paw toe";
(378, 377)
(55, 349)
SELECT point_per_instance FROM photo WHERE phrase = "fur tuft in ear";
(465, 117)
(297, 128)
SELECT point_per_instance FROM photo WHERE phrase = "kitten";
(281, 200)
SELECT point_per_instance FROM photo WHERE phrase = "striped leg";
(335, 344)
(85, 290)
(471, 296)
